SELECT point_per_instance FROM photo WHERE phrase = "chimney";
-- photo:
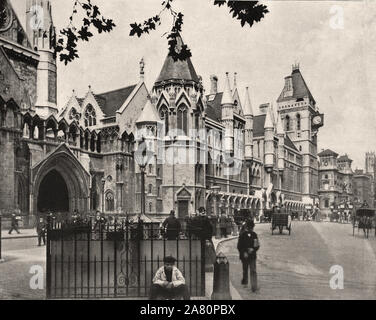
(264, 108)
(214, 84)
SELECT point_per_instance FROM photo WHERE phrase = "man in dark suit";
(41, 231)
(14, 224)
(248, 245)
(171, 226)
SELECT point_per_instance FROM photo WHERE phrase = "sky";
(333, 41)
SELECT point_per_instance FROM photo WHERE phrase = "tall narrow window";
(163, 114)
(90, 116)
(287, 123)
(182, 118)
(150, 188)
(110, 202)
(298, 122)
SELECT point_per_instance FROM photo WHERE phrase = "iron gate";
(116, 260)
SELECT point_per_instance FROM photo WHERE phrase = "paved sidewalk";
(24, 233)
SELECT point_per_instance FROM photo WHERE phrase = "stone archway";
(60, 172)
(53, 193)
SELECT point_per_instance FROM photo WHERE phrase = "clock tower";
(301, 121)
(41, 32)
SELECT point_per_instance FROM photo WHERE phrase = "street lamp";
(215, 191)
(143, 156)
(103, 183)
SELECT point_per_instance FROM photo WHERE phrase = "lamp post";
(143, 156)
(215, 190)
(103, 184)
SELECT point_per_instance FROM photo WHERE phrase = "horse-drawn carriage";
(267, 216)
(281, 220)
(364, 219)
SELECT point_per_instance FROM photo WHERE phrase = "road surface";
(298, 266)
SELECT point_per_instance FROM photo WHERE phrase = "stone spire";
(227, 98)
(248, 111)
(269, 120)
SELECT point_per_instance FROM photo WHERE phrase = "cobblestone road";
(297, 266)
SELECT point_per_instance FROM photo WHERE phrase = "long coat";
(248, 240)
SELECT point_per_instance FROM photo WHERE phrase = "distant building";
(363, 188)
(335, 180)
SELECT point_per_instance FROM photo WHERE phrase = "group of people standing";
(198, 226)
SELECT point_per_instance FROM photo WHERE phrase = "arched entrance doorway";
(60, 184)
(53, 193)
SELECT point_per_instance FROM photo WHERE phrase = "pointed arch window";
(298, 122)
(182, 117)
(90, 116)
(163, 114)
(287, 123)
(110, 201)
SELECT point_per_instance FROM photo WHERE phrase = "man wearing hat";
(168, 282)
(248, 245)
(171, 227)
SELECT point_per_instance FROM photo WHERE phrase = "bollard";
(221, 279)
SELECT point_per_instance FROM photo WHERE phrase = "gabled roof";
(213, 108)
(111, 101)
(289, 143)
(328, 153)
(148, 114)
(177, 70)
(300, 88)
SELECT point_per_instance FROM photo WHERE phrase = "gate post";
(221, 279)
(48, 257)
(1, 259)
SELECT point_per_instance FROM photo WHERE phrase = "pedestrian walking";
(14, 224)
(171, 227)
(41, 231)
(248, 245)
(223, 225)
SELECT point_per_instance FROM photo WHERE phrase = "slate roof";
(344, 158)
(213, 108)
(300, 88)
(177, 70)
(290, 144)
(258, 125)
(328, 153)
(111, 101)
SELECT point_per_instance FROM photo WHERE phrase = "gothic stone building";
(212, 150)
